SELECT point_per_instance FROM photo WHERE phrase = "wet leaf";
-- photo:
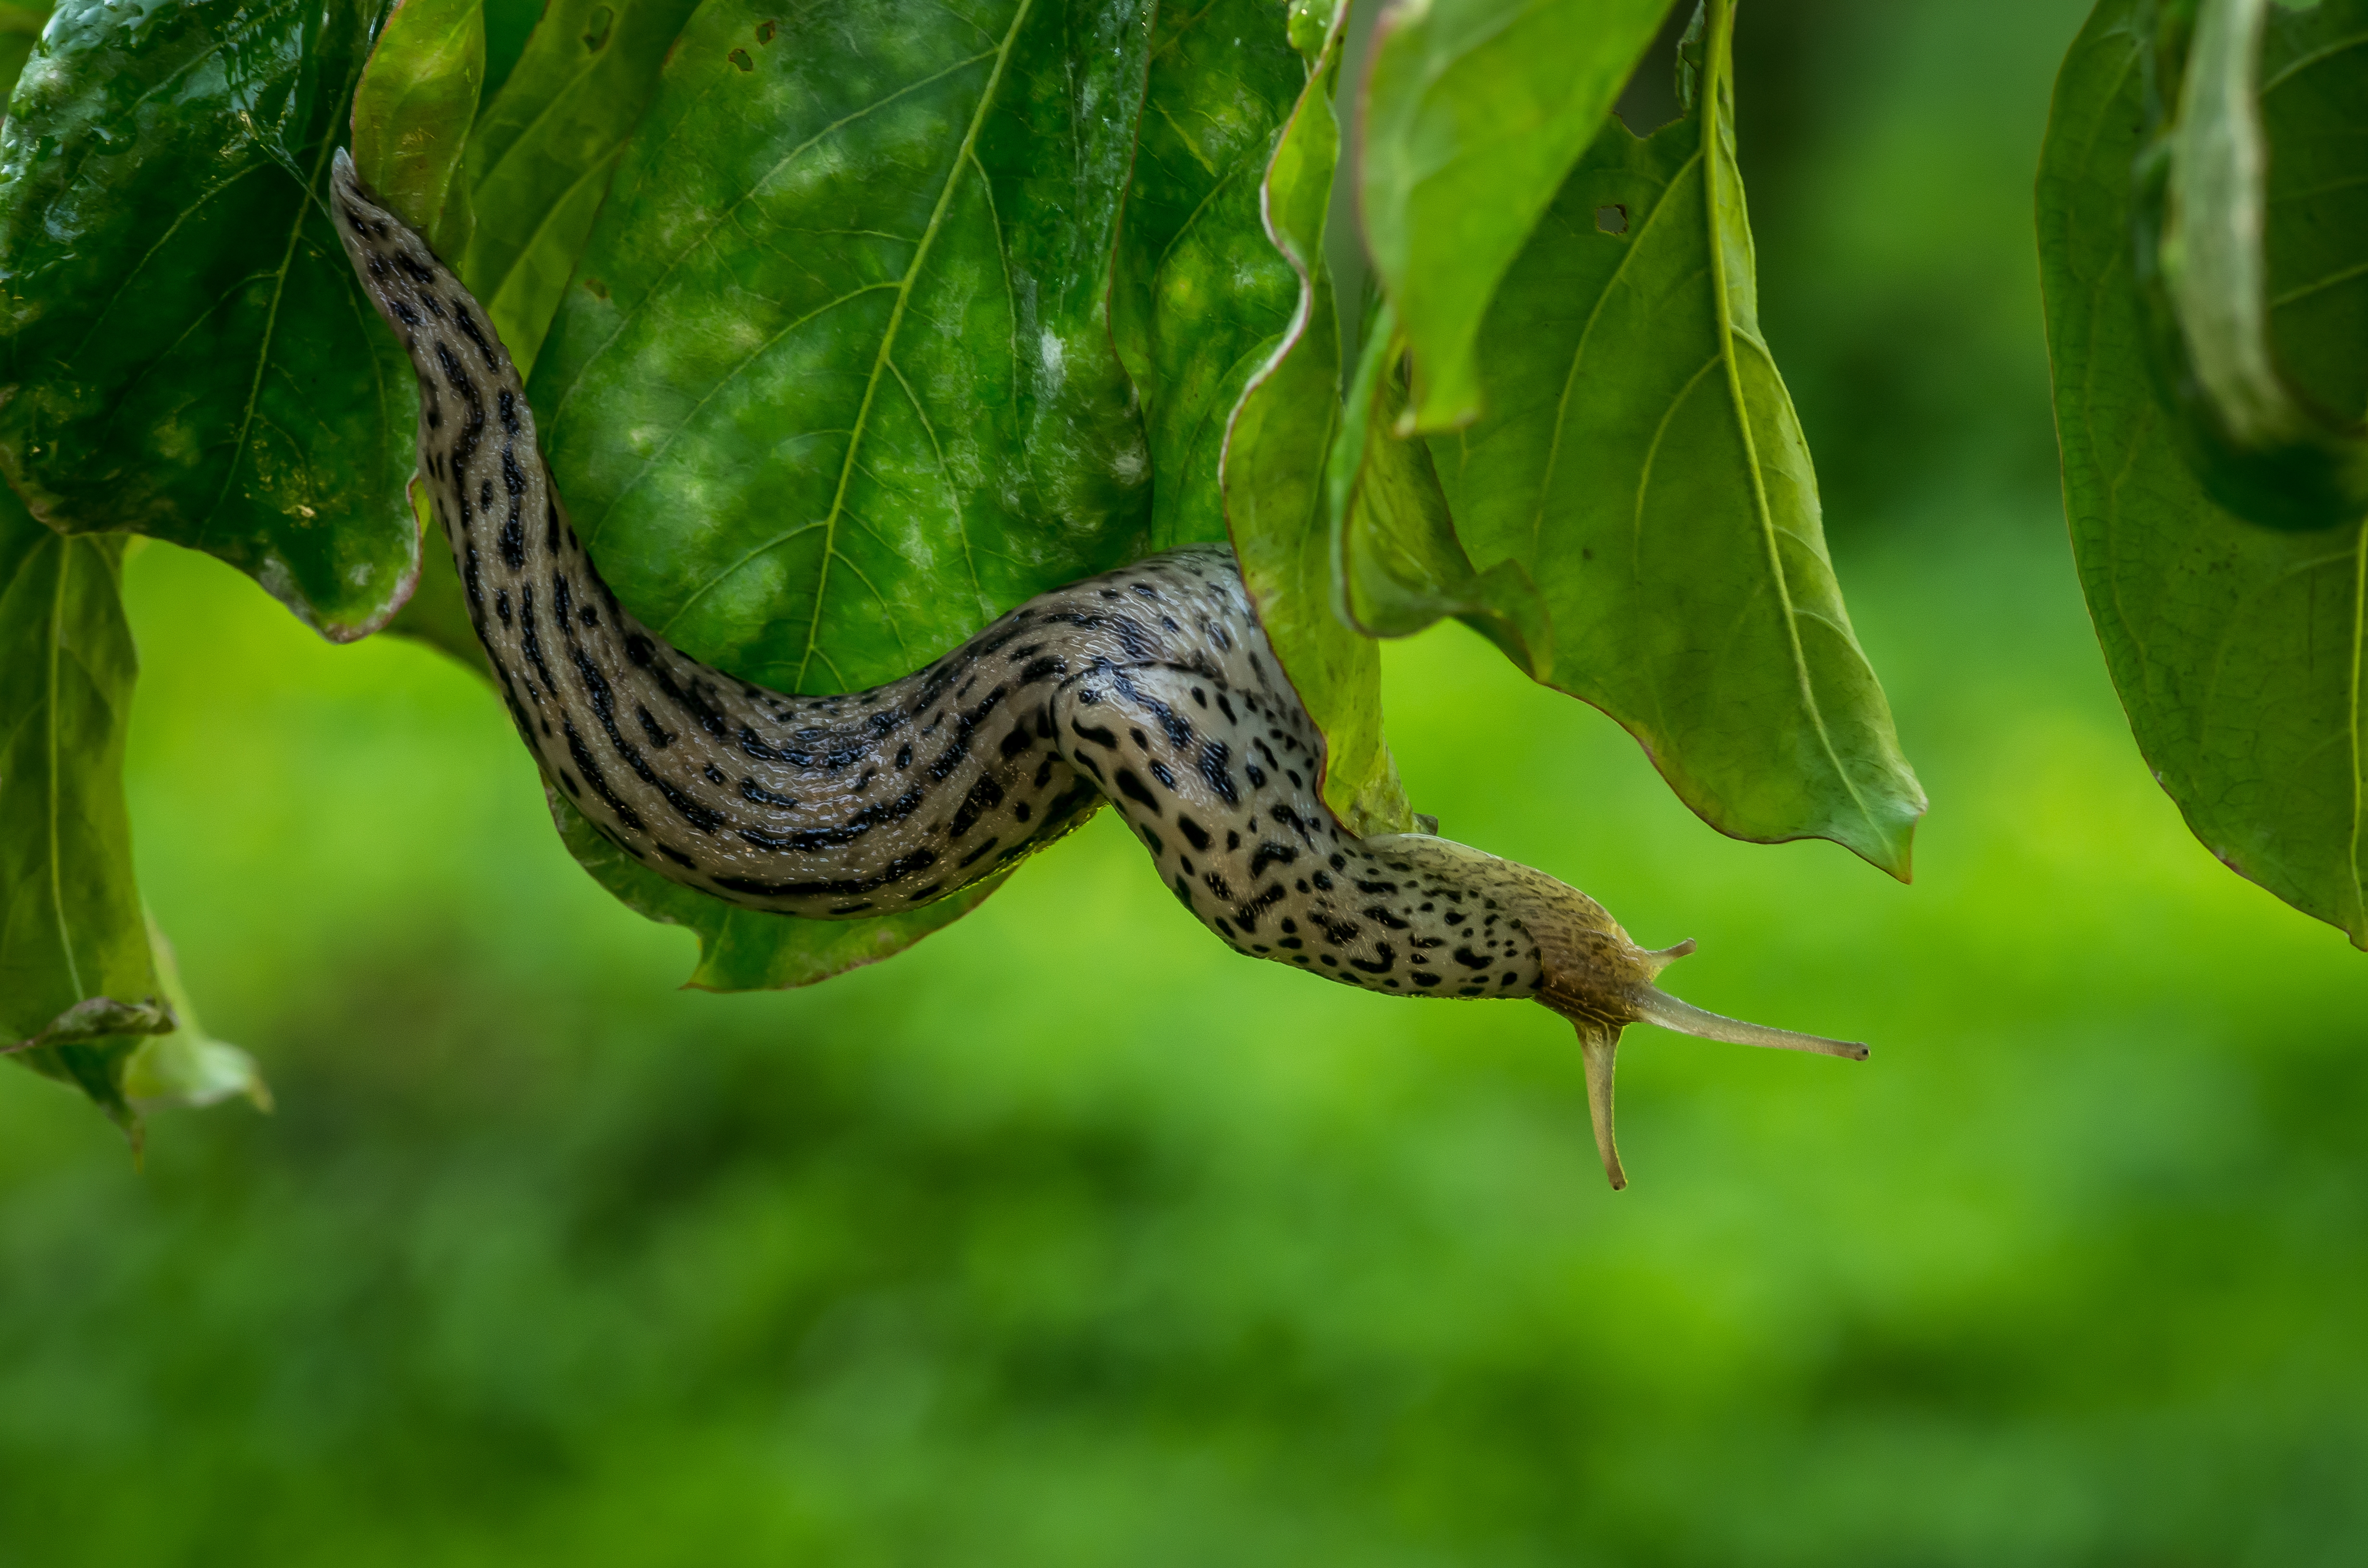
(1274, 483)
(1642, 462)
(1202, 294)
(413, 109)
(541, 156)
(1475, 110)
(75, 974)
(2235, 650)
(831, 394)
(186, 353)
(837, 387)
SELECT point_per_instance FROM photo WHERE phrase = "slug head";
(1596, 976)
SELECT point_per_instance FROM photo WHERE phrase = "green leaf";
(541, 156)
(1475, 111)
(747, 949)
(2237, 650)
(835, 384)
(413, 109)
(860, 339)
(2266, 446)
(1645, 465)
(1201, 295)
(1275, 453)
(1397, 564)
(187, 354)
(77, 986)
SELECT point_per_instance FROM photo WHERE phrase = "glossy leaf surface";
(1475, 110)
(187, 354)
(1201, 295)
(835, 385)
(1644, 464)
(412, 112)
(2237, 650)
(74, 962)
(541, 156)
(1274, 486)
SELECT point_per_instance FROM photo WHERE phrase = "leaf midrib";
(1715, 94)
(964, 156)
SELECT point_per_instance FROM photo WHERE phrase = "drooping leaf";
(186, 353)
(412, 112)
(1201, 295)
(835, 384)
(1397, 564)
(1275, 453)
(1642, 462)
(2264, 443)
(541, 156)
(859, 339)
(749, 949)
(1475, 111)
(75, 974)
(2235, 650)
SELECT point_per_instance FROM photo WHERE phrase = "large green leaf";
(1642, 462)
(1275, 452)
(75, 963)
(1475, 110)
(835, 385)
(2236, 650)
(541, 156)
(859, 336)
(412, 111)
(187, 354)
(1201, 295)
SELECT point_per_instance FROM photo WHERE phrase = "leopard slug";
(1151, 688)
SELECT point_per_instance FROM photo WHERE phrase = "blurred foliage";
(2236, 647)
(1066, 1238)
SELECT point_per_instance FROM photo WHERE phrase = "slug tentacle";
(1150, 686)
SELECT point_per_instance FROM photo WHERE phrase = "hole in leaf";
(1611, 220)
(596, 31)
(740, 57)
(765, 31)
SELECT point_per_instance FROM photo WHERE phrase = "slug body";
(1150, 686)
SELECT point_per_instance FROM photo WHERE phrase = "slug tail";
(1597, 1045)
(1654, 1005)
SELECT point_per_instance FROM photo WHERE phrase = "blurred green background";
(1068, 1238)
